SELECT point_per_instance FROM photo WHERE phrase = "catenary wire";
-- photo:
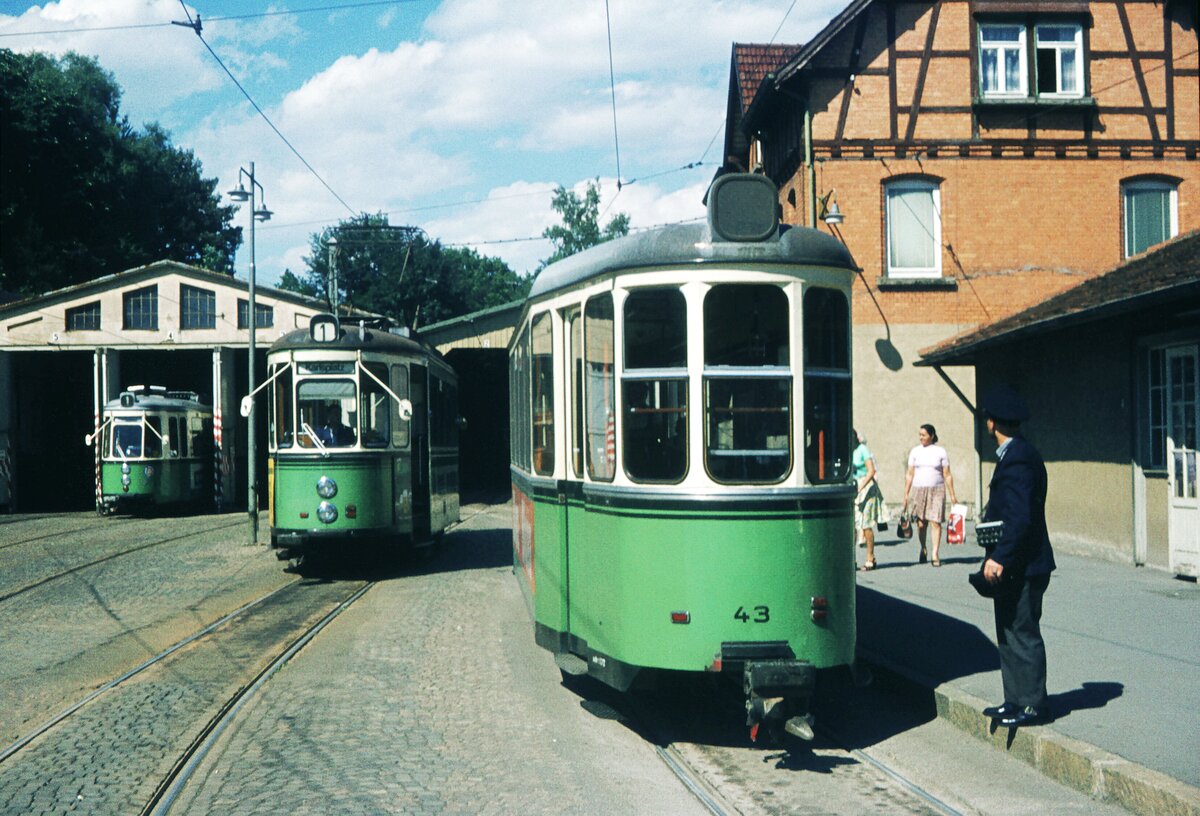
(195, 26)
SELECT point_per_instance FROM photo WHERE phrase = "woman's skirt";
(928, 503)
(868, 507)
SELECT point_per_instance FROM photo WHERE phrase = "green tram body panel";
(612, 577)
(370, 482)
(158, 481)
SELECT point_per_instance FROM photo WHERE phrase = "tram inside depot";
(747, 386)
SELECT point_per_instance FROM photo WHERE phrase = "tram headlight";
(327, 512)
(125, 468)
(326, 487)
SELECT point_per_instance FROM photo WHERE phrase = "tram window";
(443, 402)
(127, 439)
(376, 407)
(283, 423)
(174, 435)
(201, 433)
(541, 366)
(654, 426)
(599, 388)
(655, 329)
(826, 386)
(748, 438)
(153, 438)
(746, 324)
(519, 391)
(655, 429)
(327, 411)
(400, 389)
(576, 322)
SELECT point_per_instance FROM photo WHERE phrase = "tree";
(401, 272)
(580, 228)
(83, 194)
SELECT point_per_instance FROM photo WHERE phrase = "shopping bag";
(956, 529)
(904, 528)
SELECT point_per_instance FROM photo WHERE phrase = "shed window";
(141, 308)
(264, 315)
(84, 318)
(197, 308)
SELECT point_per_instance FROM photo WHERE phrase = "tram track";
(12, 593)
(155, 723)
(44, 536)
(185, 767)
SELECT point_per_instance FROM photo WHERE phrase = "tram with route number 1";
(363, 440)
(153, 449)
(681, 444)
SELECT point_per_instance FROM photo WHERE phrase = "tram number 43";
(757, 614)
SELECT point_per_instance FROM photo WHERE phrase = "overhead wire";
(196, 26)
(223, 18)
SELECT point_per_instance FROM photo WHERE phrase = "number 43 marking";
(762, 614)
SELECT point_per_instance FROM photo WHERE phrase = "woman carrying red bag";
(927, 482)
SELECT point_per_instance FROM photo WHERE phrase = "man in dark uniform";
(1021, 561)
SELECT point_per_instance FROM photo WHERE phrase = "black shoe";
(1002, 710)
(1026, 716)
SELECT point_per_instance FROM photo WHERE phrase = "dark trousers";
(1019, 638)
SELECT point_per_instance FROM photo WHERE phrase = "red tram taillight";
(820, 608)
(681, 617)
(351, 511)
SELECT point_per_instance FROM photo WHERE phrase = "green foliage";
(402, 273)
(580, 228)
(82, 194)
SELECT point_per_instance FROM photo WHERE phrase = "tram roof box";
(743, 207)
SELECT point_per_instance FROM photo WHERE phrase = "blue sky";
(457, 116)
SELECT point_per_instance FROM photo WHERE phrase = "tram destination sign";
(327, 367)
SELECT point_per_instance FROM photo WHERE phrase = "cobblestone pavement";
(429, 696)
(70, 635)
(109, 757)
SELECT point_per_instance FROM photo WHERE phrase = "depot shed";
(65, 353)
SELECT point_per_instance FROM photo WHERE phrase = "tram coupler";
(777, 697)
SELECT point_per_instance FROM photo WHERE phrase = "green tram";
(154, 449)
(363, 440)
(681, 444)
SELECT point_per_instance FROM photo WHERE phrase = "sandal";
(867, 566)
(936, 562)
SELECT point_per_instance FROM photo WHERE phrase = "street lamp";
(257, 213)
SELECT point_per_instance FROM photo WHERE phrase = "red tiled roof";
(1167, 272)
(753, 62)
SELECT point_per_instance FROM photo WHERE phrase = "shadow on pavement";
(938, 647)
(459, 550)
(1090, 695)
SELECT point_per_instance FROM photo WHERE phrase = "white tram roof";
(358, 337)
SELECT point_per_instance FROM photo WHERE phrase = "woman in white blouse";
(927, 482)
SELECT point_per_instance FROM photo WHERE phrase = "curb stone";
(1076, 764)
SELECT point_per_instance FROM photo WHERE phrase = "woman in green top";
(868, 505)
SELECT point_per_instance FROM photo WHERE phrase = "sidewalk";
(1123, 648)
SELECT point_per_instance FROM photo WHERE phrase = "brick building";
(986, 155)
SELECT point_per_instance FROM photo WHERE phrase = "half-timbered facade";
(985, 155)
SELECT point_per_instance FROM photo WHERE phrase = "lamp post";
(256, 214)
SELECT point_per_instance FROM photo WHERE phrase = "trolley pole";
(256, 214)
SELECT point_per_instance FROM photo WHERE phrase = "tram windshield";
(134, 439)
(328, 413)
(654, 386)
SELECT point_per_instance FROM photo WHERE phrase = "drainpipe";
(812, 169)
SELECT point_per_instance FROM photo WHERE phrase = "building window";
(141, 309)
(264, 316)
(1059, 60)
(1151, 214)
(1002, 60)
(197, 308)
(914, 229)
(84, 318)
